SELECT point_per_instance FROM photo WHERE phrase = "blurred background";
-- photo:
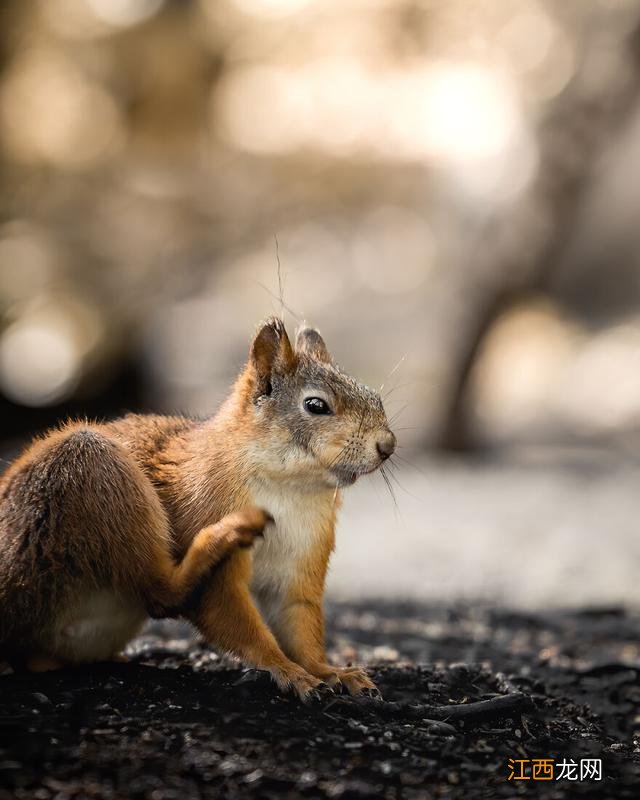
(452, 188)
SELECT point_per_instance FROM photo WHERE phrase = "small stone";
(385, 653)
(254, 777)
(438, 727)
(307, 779)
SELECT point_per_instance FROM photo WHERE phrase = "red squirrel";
(229, 522)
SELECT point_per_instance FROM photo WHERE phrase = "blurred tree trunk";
(579, 125)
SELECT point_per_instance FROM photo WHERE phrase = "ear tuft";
(309, 342)
(271, 352)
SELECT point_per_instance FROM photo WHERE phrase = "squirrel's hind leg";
(86, 548)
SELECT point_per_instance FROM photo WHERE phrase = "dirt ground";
(177, 722)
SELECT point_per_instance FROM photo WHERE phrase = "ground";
(179, 722)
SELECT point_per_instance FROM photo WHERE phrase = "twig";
(500, 706)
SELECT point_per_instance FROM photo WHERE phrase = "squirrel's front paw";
(244, 526)
(238, 529)
(306, 686)
(354, 679)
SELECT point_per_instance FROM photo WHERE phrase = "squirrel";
(228, 522)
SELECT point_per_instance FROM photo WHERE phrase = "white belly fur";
(98, 627)
(286, 542)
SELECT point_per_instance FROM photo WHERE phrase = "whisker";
(391, 373)
(360, 426)
(395, 478)
(390, 488)
(340, 454)
(297, 317)
(397, 414)
(395, 388)
(407, 462)
(280, 286)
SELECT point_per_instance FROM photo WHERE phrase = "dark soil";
(177, 722)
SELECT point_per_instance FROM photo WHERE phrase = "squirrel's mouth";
(344, 477)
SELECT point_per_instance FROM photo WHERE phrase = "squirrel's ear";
(271, 352)
(309, 341)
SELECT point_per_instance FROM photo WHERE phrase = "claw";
(370, 693)
(319, 694)
(312, 697)
(250, 676)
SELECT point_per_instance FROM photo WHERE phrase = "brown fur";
(158, 512)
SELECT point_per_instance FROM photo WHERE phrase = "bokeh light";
(50, 112)
(122, 13)
(271, 8)
(40, 359)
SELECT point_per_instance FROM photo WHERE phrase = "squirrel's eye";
(316, 405)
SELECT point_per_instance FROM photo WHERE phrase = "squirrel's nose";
(386, 444)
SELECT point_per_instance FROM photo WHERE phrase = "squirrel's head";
(316, 424)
